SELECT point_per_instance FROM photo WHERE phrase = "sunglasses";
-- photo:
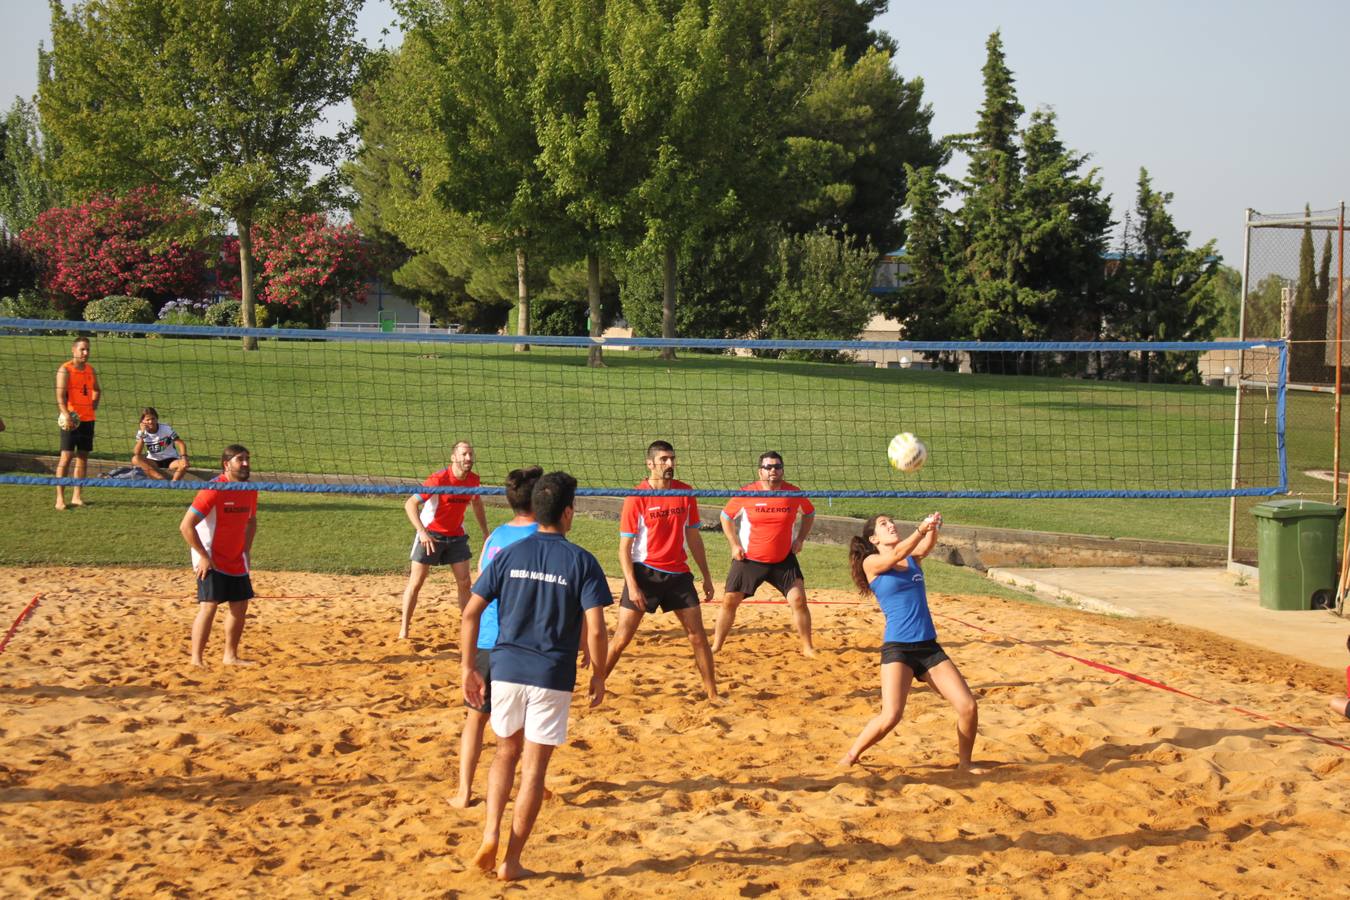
(772, 466)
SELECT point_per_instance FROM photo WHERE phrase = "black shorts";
(164, 463)
(448, 550)
(666, 591)
(745, 575)
(217, 587)
(920, 656)
(482, 663)
(81, 440)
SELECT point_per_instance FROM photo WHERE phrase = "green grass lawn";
(339, 534)
(394, 409)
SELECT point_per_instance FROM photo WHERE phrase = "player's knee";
(966, 707)
(509, 748)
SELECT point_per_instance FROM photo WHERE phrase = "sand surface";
(325, 770)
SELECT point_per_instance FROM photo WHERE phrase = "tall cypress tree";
(1305, 319)
(989, 302)
(1064, 221)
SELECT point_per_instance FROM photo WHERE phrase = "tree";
(724, 280)
(308, 266)
(216, 100)
(591, 163)
(1264, 305)
(444, 259)
(1223, 294)
(821, 289)
(26, 190)
(121, 245)
(849, 139)
(1063, 220)
(1162, 287)
(689, 93)
(486, 57)
(922, 301)
(990, 303)
(18, 267)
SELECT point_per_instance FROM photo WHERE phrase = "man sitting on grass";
(158, 448)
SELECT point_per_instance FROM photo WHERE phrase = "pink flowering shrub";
(304, 267)
(114, 245)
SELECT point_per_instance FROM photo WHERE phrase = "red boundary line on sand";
(1112, 670)
(784, 602)
(27, 611)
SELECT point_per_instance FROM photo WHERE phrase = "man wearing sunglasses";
(765, 534)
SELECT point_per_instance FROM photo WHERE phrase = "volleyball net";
(331, 411)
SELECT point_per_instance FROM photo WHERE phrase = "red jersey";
(656, 525)
(223, 527)
(444, 513)
(80, 385)
(767, 526)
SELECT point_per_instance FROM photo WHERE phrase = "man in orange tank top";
(77, 391)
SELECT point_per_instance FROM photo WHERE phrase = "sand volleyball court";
(325, 770)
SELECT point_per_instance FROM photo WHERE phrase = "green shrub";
(225, 314)
(28, 305)
(121, 310)
(181, 317)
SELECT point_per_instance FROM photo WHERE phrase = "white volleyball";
(907, 453)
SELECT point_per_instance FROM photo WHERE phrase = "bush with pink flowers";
(116, 245)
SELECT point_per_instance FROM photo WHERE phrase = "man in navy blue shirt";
(547, 590)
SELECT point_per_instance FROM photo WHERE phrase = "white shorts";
(542, 712)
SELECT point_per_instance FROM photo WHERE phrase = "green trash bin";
(387, 325)
(1296, 553)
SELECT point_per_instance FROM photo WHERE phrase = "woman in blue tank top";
(887, 566)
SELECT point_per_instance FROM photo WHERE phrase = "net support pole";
(1336, 470)
(1340, 326)
(1241, 370)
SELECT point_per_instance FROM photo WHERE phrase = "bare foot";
(403, 634)
(60, 504)
(462, 800)
(809, 652)
(715, 700)
(486, 858)
(971, 769)
(847, 761)
(199, 664)
(76, 501)
(508, 871)
(236, 661)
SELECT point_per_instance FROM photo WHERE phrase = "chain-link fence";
(1293, 282)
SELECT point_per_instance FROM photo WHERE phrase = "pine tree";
(922, 299)
(1064, 223)
(1161, 287)
(989, 302)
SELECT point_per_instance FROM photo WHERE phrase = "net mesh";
(369, 412)
(1291, 294)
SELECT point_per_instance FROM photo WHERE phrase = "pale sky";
(1227, 103)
